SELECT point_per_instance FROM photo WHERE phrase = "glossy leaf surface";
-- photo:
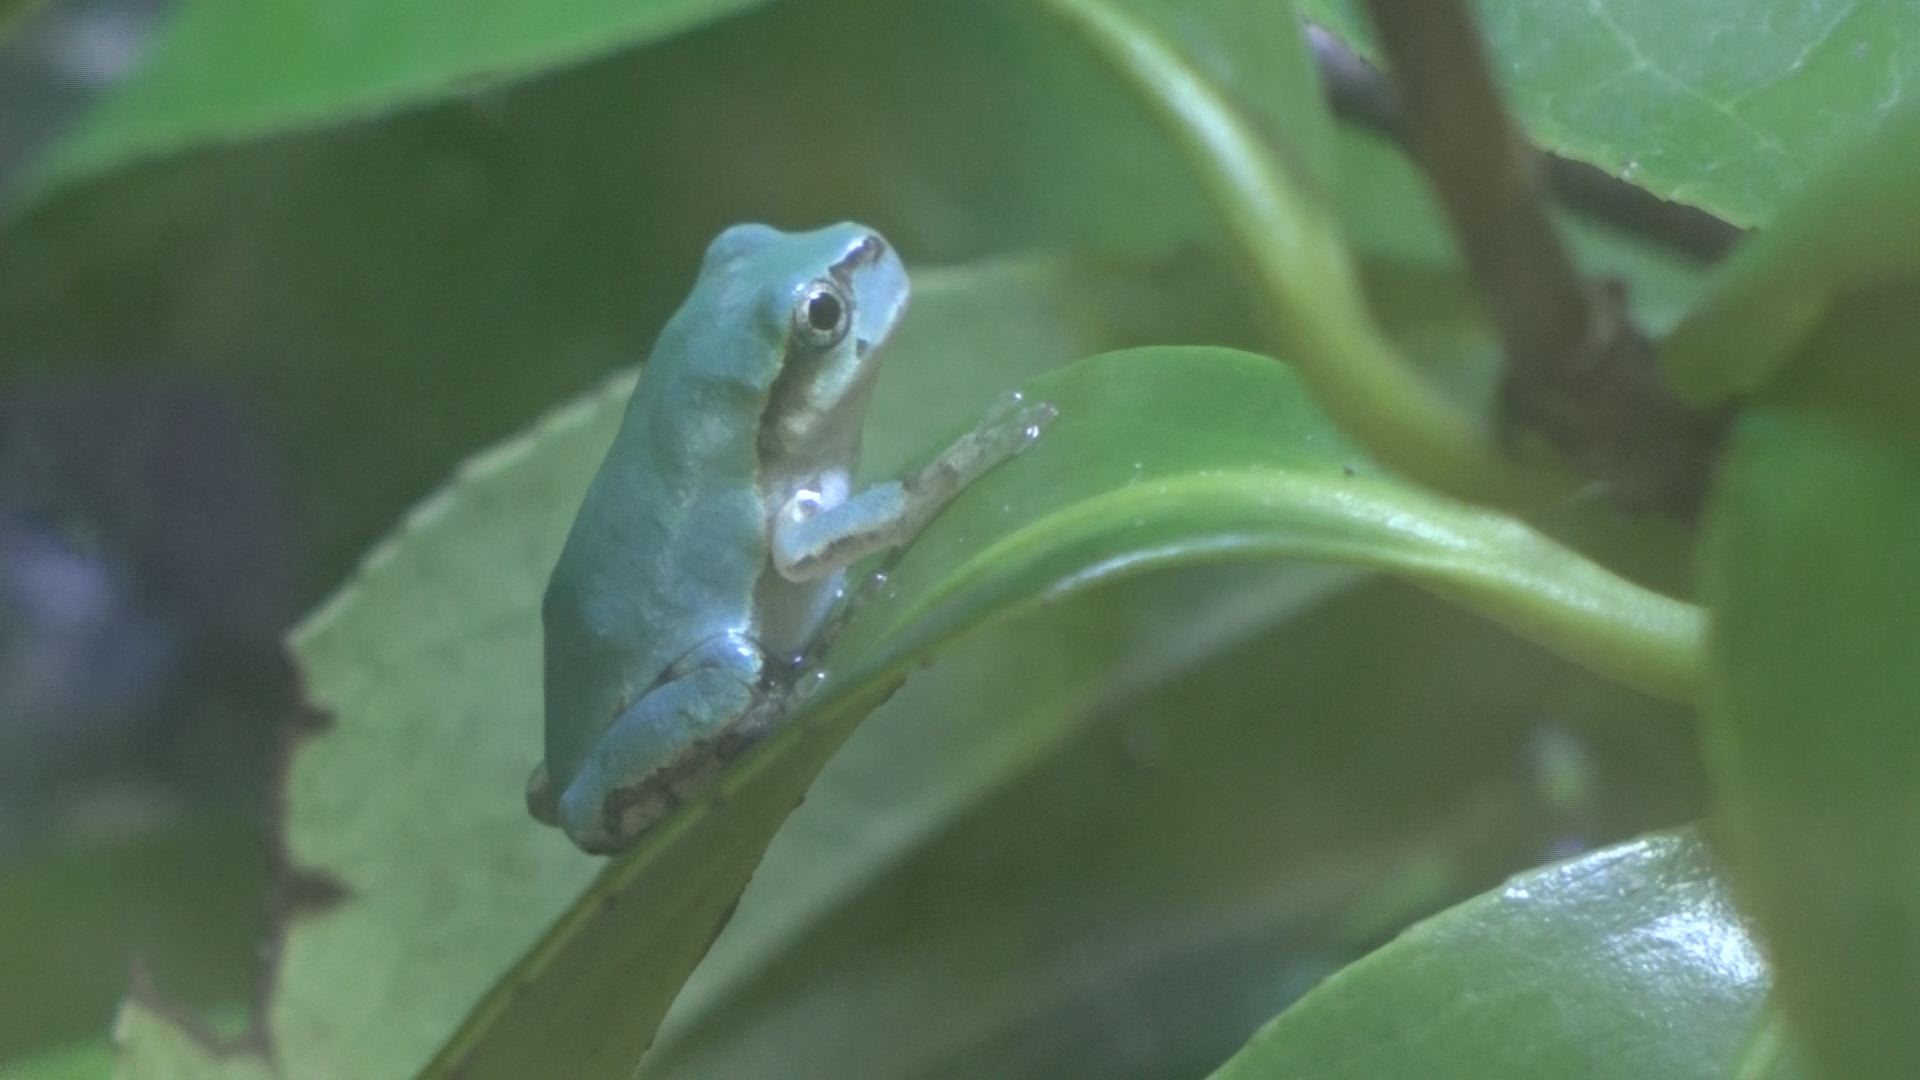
(1630, 961)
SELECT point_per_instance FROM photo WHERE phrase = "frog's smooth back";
(672, 534)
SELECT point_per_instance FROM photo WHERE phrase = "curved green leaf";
(1630, 961)
(1245, 466)
(1808, 561)
(1128, 879)
(1728, 106)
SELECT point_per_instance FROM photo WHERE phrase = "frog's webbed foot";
(1010, 427)
(664, 747)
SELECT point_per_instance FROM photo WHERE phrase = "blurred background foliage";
(273, 292)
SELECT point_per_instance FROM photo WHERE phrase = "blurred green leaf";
(186, 903)
(1630, 961)
(220, 72)
(1128, 879)
(1808, 562)
(1255, 52)
(1855, 228)
(1810, 536)
(1727, 106)
(151, 1043)
(87, 1061)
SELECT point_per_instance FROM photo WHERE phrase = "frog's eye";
(821, 317)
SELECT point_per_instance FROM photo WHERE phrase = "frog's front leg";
(811, 539)
(664, 745)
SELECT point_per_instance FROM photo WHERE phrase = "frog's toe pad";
(540, 799)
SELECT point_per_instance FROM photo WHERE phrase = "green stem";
(1299, 262)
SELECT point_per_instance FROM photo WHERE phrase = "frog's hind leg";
(663, 746)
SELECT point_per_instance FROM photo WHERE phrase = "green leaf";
(1855, 227)
(1128, 878)
(183, 902)
(1246, 466)
(1630, 961)
(152, 1043)
(1808, 561)
(87, 1061)
(219, 72)
(1255, 53)
(1810, 531)
(1727, 106)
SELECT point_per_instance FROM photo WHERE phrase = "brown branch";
(1579, 375)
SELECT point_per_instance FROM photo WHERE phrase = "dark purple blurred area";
(144, 585)
(144, 557)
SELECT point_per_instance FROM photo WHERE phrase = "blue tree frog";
(714, 542)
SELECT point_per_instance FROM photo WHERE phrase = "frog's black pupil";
(823, 311)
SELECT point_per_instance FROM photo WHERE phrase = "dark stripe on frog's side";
(670, 785)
